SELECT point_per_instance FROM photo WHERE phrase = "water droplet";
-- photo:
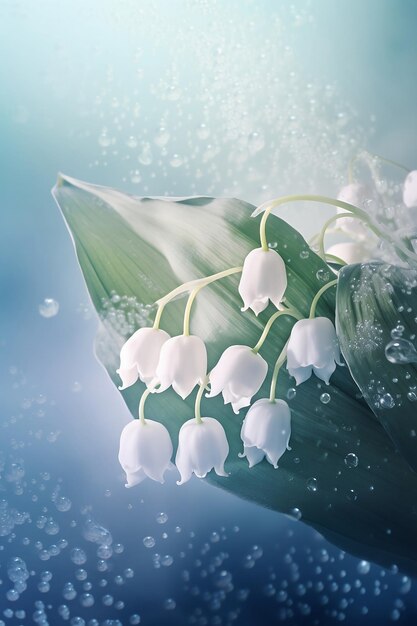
(323, 275)
(325, 398)
(78, 556)
(49, 307)
(104, 140)
(387, 401)
(296, 513)
(149, 542)
(351, 460)
(291, 393)
(400, 351)
(397, 332)
(176, 160)
(363, 567)
(162, 518)
(304, 254)
(312, 484)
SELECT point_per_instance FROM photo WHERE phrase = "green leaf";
(133, 250)
(376, 318)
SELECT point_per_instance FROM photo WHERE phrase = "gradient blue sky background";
(257, 98)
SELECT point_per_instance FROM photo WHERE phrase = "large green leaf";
(376, 319)
(134, 250)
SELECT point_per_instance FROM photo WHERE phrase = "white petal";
(223, 371)
(253, 454)
(128, 375)
(142, 350)
(263, 277)
(182, 364)
(410, 190)
(301, 374)
(267, 427)
(350, 252)
(134, 478)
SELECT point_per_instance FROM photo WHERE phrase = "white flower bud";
(139, 356)
(313, 346)
(239, 375)
(263, 278)
(266, 431)
(201, 447)
(145, 451)
(410, 190)
(182, 364)
(350, 251)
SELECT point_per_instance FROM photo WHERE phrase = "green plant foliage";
(133, 250)
(376, 317)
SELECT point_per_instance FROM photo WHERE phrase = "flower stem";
(158, 316)
(374, 156)
(199, 395)
(326, 225)
(335, 259)
(279, 363)
(142, 406)
(193, 284)
(291, 312)
(318, 296)
(187, 314)
(401, 249)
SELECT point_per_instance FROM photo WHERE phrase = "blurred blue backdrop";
(163, 97)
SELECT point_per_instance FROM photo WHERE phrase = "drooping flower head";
(351, 251)
(239, 375)
(202, 446)
(182, 364)
(410, 190)
(145, 451)
(266, 431)
(313, 347)
(139, 356)
(263, 278)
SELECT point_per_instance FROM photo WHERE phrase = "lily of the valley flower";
(350, 251)
(266, 431)
(182, 364)
(263, 278)
(410, 190)
(202, 446)
(139, 356)
(145, 451)
(313, 346)
(238, 374)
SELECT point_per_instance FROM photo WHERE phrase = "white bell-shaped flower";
(266, 431)
(139, 356)
(359, 195)
(182, 364)
(350, 251)
(202, 446)
(410, 190)
(238, 374)
(263, 278)
(313, 346)
(145, 451)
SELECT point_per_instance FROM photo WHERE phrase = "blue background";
(256, 99)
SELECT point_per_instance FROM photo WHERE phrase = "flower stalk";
(318, 296)
(291, 312)
(278, 364)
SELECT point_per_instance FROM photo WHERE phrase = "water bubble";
(400, 351)
(312, 484)
(134, 619)
(132, 142)
(149, 542)
(325, 398)
(363, 567)
(78, 556)
(291, 393)
(304, 254)
(63, 504)
(135, 176)
(162, 518)
(162, 137)
(323, 275)
(104, 140)
(169, 604)
(351, 460)
(176, 160)
(256, 142)
(69, 592)
(397, 332)
(97, 534)
(296, 513)
(203, 132)
(87, 600)
(49, 307)
(387, 401)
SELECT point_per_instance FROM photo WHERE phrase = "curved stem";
(326, 225)
(191, 298)
(401, 250)
(318, 296)
(193, 284)
(199, 395)
(363, 154)
(142, 406)
(158, 315)
(336, 259)
(291, 312)
(279, 363)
